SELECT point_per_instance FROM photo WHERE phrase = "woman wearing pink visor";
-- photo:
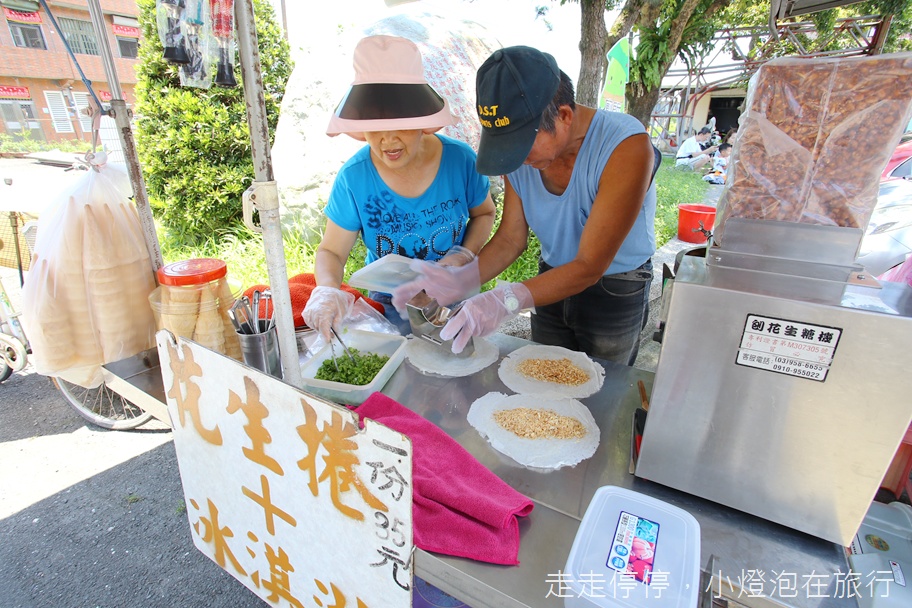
(409, 191)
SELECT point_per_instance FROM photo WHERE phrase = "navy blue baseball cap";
(513, 87)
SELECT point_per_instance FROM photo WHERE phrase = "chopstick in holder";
(243, 320)
(643, 399)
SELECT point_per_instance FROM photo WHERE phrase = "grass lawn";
(244, 252)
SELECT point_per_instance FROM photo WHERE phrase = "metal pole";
(264, 193)
(122, 118)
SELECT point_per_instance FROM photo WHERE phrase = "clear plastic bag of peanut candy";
(814, 138)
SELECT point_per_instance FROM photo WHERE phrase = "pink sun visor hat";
(390, 92)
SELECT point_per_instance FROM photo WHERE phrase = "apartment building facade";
(41, 89)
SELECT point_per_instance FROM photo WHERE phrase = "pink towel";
(459, 507)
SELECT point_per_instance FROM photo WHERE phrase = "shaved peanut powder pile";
(539, 424)
(559, 371)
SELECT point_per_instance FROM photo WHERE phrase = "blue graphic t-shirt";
(425, 227)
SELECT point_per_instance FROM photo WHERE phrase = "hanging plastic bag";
(222, 12)
(168, 15)
(85, 301)
(197, 28)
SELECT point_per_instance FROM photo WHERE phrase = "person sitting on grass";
(409, 191)
(720, 166)
(691, 154)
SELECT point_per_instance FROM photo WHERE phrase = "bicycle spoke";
(103, 406)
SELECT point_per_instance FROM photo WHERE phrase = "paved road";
(89, 518)
(92, 518)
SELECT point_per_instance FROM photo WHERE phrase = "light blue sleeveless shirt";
(558, 221)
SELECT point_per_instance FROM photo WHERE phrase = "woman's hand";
(326, 308)
(446, 284)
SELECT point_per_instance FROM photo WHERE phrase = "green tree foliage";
(194, 144)
(667, 29)
(827, 36)
(899, 38)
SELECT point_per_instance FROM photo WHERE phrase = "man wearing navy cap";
(580, 179)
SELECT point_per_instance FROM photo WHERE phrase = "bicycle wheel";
(12, 354)
(102, 406)
(5, 371)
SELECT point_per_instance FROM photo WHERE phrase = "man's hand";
(481, 315)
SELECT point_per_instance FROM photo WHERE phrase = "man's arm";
(510, 240)
(622, 188)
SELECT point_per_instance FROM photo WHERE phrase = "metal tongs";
(246, 317)
(332, 350)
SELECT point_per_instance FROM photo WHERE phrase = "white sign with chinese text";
(283, 490)
(803, 350)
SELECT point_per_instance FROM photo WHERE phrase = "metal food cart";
(737, 547)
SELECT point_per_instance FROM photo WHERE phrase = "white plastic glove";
(481, 315)
(446, 284)
(326, 308)
(457, 256)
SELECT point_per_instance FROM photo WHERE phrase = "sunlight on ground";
(37, 468)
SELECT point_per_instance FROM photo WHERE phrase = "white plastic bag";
(85, 301)
(363, 317)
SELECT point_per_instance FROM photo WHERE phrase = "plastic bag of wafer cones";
(85, 301)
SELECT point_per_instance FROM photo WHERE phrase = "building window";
(27, 36)
(129, 47)
(19, 116)
(79, 35)
(60, 114)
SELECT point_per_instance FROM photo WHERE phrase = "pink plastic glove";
(481, 315)
(446, 284)
(327, 307)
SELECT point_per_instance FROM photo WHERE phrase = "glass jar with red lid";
(192, 301)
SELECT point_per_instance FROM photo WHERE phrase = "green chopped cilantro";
(359, 372)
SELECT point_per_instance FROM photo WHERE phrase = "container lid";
(192, 272)
(634, 550)
(385, 274)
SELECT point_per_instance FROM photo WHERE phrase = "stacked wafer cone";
(209, 330)
(225, 300)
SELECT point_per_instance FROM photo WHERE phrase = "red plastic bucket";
(690, 218)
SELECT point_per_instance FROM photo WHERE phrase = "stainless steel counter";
(740, 546)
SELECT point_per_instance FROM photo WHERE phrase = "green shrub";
(194, 144)
(24, 143)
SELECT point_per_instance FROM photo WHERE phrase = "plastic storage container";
(365, 342)
(192, 301)
(881, 556)
(633, 550)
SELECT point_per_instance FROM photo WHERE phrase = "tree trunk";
(641, 101)
(593, 52)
